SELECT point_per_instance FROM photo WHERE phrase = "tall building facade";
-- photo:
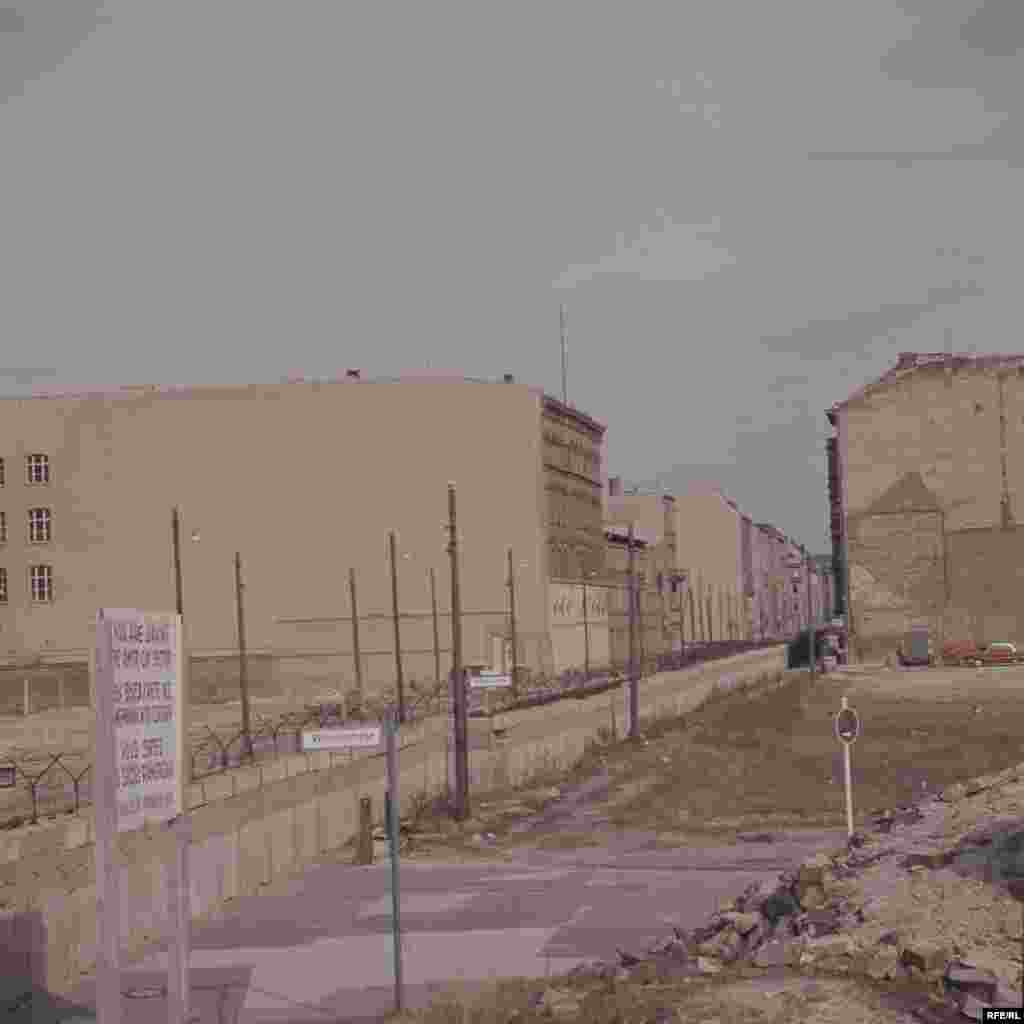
(304, 479)
(931, 474)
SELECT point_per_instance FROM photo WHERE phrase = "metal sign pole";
(392, 768)
(847, 726)
(849, 791)
(108, 909)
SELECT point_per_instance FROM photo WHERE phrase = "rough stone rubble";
(898, 902)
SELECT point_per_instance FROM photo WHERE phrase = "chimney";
(614, 486)
(509, 379)
(352, 374)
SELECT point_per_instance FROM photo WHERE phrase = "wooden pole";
(437, 641)
(586, 633)
(243, 660)
(512, 624)
(682, 637)
(399, 680)
(812, 653)
(458, 680)
(356, 656)
(634, 680)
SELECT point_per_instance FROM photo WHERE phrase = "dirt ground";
(752, 766)
(742, 766)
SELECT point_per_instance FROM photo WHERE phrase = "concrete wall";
(571, 633)
(254, 823)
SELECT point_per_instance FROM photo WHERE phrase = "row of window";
(40, 579)
(39, 526)
(37, 470)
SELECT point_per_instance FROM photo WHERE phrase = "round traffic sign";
(847, 725)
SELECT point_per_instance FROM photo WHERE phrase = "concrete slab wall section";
(304, 805)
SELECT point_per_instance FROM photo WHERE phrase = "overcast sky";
(748, 208)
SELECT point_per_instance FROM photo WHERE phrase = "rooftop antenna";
(563, 318)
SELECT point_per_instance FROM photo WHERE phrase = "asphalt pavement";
(320, 948)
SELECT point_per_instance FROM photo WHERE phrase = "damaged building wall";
(932, 469)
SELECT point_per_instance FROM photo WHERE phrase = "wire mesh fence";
(35, 784)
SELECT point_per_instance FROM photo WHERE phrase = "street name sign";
(363, 737)
(489, 681)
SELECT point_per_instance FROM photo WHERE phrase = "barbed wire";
(274, 736)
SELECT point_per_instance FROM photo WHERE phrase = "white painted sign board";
(138, 698)
(489, 681)
(139, 776)
(342, 738)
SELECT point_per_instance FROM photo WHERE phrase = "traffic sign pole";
(847, 731)
(390, 724)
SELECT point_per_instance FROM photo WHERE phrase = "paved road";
(319, 948)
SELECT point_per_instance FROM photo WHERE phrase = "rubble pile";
(913, 899)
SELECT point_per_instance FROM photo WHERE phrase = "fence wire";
(48, 779)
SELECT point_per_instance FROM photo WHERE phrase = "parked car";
(960, 652)
(830, 641)
(1000, 653)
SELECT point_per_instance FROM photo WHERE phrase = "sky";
(747, 209)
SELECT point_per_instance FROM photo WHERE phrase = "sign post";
(140, 780)
(393, 803)
(847, 726)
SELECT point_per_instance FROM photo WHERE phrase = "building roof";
(910, 362)
(420, 376)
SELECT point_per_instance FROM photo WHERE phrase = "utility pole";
(564, 324)
(243, 665)
(399, 681)
(512, 623)
(458, 681)
(356, 655)
(810, 618)
(437, 641)
(634, 682)
(176, 543)
(682, 635)
(586, 633)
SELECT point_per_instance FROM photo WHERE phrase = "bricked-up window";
(3, 586)
(38, 468)
(41, 577)
(38, 525)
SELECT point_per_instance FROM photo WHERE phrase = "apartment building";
(304, 479)
(930, 471)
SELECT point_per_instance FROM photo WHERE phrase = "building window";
(38, 525)
(42, 583)
(3, 527)
(3, 586)
(1, 472)
(38, 469)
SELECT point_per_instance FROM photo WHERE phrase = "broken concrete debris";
(834, 913)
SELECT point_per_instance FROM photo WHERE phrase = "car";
(999, 653)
